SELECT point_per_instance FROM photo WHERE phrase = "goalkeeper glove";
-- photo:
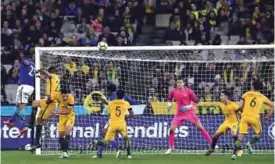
(169, 107)
(185, 108)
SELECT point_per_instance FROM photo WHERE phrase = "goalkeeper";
(95, 102)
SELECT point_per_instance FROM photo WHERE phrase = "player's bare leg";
(171, 139)
(213, 144)
(204, 133)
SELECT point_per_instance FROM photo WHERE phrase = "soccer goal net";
(147, 74)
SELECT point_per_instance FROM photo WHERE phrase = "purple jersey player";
(24, 92)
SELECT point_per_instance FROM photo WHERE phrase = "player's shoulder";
(246, 94)
(121, 102)
(234, 104)
(57, 95)
(54, 76)
(71, 96)
(126, 102)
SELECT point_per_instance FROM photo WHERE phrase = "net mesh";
(148, 76)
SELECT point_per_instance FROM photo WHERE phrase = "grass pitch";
(24, 157)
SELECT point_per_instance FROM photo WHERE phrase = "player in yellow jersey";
(251, 103)
(117, 124)
(229, 110)
(66, 121)
(52, 87)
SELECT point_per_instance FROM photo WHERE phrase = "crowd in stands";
(29, 23)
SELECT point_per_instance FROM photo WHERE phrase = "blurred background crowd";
(29, 23)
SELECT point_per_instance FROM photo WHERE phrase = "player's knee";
(21, 106)
(199, 126)
(61, 133)
(258, 136)
(172, 130)
(39, 121)
(67, 137)
(126, 138)
(104, 132)
(68, 130)
(127, 141)
(216, 136)
(35, 103)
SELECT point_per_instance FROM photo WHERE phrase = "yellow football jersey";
(52, 85)
(229, 110)
(253, 102)
(117, 110)
(64, 104)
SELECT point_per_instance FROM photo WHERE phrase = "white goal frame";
(143, 48)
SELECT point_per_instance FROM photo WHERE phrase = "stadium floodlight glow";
(147, 73)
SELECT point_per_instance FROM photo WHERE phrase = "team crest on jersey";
(271, 131)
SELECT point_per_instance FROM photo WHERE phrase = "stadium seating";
(47, 23)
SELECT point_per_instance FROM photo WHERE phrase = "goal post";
(147, 74)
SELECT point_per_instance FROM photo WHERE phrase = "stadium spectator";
(111, 73)
(70, 65)
(83, 27)
(242, 41)
(108, 36)
(228, 75)
(4, 77)
(71, 10)
(217, 40)
(26, 24)
(13, 75)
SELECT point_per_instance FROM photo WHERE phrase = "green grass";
(23, 157)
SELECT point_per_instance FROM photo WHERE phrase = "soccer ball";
(28, 147)
(102, 46)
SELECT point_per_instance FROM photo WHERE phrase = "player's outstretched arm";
(26, 62)
(44, 72)
(131, 112)
(241, 105)
(169, 99)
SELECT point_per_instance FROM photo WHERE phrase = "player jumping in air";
(117, 124)
(231, 122)
(66, 121)
(250, 104)
(184, 97)
(52, 88)
(24, 92)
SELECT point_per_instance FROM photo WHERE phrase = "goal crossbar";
(148, 48)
